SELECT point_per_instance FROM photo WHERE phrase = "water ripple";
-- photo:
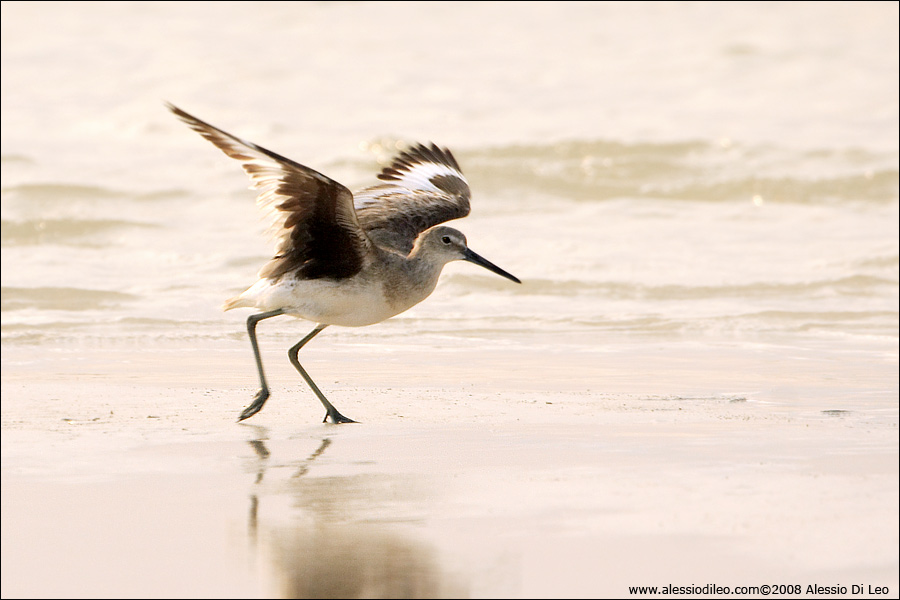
(62, 298)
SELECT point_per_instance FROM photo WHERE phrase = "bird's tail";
(236, 302)
(248, 298)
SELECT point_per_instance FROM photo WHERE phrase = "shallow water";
(736, 218)
(716, 180)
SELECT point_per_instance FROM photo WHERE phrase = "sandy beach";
(517, 476)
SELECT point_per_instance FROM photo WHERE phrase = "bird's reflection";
(321, 550)
(304, 466)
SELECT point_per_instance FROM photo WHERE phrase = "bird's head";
(446, 244)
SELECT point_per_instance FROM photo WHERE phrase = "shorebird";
(345, 259)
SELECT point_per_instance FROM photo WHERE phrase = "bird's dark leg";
(331, 413)
(263, 394)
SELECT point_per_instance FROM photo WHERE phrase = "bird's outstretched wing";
(423, 187)
(312, 217)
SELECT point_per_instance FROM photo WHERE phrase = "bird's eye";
(446, 239)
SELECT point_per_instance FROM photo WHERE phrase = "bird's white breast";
(355, 302)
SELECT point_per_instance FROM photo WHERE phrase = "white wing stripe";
(416, 178)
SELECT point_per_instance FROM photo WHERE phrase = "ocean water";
(680, 174)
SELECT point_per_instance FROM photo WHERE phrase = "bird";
(347, 259)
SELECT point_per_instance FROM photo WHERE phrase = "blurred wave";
(759, 239)
(87, 232)
(38, 193)
(54, 298)
(697, 170)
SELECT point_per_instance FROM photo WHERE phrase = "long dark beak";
(483, 262)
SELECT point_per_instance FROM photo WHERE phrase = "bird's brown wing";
(312, 218)
(422, 187)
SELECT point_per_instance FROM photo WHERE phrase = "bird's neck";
(423, 269)
(410, 283)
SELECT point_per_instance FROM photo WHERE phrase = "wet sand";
(474, 472)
